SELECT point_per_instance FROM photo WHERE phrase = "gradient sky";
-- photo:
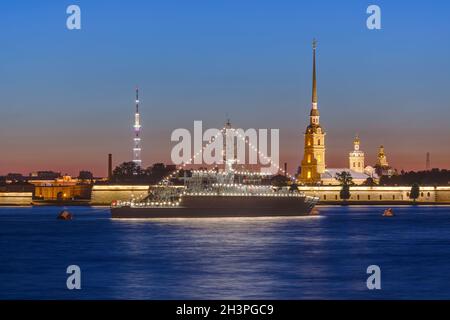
(66, 97)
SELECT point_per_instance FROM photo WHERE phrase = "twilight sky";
(66, 97)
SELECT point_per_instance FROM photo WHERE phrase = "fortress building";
(313, 167)
(359, 172)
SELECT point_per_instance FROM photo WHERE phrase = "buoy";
(64, 215)
(388, 213)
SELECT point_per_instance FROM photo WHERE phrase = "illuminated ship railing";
(146, 204)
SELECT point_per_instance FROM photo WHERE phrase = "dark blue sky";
(66, 97)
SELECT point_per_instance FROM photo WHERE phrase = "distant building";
(381, 159)
(61, 189)
(14, 178)
(44, 175)
(382, 167)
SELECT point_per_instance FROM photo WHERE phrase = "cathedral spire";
(314, 87)
(314, 115)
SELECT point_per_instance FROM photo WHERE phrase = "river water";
(323, 257)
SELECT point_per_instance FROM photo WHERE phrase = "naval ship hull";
(223, 206)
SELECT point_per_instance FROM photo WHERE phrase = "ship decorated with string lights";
(216, 193)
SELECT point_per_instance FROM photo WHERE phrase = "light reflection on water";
(276, 258)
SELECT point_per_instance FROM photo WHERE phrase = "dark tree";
(85, 175)
(369, 182)
(279, 181)
(346, 180)
(158, 171)
(293, 187)
(345, 192)
(127, 171)
(434, 177)
(415, 192)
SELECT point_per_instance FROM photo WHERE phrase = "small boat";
(388, 213)
(64, 215)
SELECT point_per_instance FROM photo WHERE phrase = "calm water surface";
(322, 257)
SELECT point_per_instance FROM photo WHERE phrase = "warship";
(214, 194)
(217, 193)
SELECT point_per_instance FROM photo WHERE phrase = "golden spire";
(314, 88)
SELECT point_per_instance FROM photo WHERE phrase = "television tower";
(137, 130)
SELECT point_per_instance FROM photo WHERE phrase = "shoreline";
(320, 204)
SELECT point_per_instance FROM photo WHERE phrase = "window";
(325, 197)
(309, 158)
(309, 175)
(381, 197)
(357, 197)
(354, 165)
(421, 194)
(428, 194)
(393, 197)
(359, 164)
(318, 142)
(335, 197)
(368, 197)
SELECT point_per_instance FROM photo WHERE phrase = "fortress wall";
(379, 194)
(16, 198)
(105, 194)
(443, 194)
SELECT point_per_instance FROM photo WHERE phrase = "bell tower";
(356, 157)
(313, 163)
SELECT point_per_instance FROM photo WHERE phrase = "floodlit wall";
(379, 194)
(16, 198)
(105, 194)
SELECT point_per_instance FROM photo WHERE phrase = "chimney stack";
(109, 166)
